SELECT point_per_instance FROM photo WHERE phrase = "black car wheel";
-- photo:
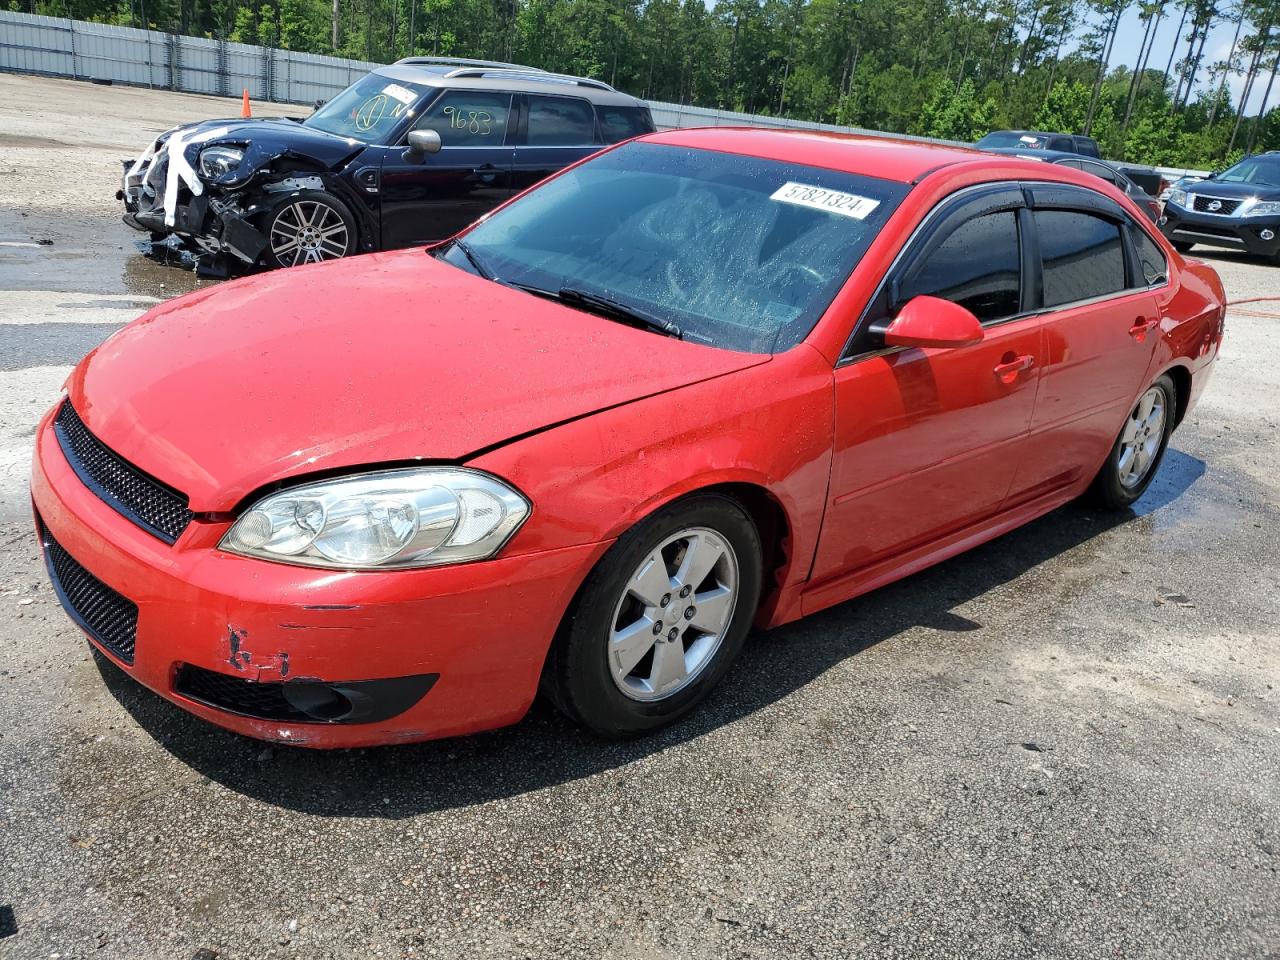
(1136, 455)
(309, 227)
(660, 619)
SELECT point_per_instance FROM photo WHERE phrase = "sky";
(1129, 39)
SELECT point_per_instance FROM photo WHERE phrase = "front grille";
(1225, 207)
(248, 698)
(105, 615)
(158, 509)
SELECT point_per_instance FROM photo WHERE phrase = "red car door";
(1101, 329)
(927, 440)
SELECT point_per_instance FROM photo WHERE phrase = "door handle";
(1142, 327)
(1010, 366)
(485, 174)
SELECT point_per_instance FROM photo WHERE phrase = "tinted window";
(623, 123)
(1082, 254)
(1086, 146)
(1011, 138)
(1099, 170)
(1151, 259)
(977, 267)
(738, 252)
(469, 118)
(1062, 143)
(560, 122)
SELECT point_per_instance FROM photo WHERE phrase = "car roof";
(1046, 156)
(887, 158)
(481, 75)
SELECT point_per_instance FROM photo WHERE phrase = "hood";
(1233, 191)
(266, 139)
(373, 359)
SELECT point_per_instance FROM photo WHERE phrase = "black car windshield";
(1263, 171)
(1012, 138)
(729, 250)
(369, 109)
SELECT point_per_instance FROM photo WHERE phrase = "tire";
(1121, 480)
(1182, 246)
(310, 226)
(609, 624)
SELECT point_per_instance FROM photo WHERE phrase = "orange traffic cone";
(244, 106)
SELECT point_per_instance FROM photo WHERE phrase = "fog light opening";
(317, 700)
(1267, 234)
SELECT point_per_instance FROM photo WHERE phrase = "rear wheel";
(309, 227)
(1138, 450)
(660, 620)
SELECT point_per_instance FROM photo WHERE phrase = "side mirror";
(318, 104)
(931, 322)
(422, 142)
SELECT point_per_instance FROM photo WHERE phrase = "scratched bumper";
(480, 630)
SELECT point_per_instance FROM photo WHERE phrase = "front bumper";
(1232, 233)
(478, 633)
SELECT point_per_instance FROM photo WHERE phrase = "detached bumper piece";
(303, 700)
(105, 615)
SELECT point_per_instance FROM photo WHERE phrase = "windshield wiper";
(609, 307)
(484, 272)
(600, 304)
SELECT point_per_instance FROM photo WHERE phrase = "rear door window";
(1062, 143)
(623, 123)
(468, 118)
(560, 122)
(978, 266)
(1082, 256)
(1087, 146)
(1099, 170)
(1152, 263)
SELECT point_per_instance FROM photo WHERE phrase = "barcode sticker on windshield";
(398, 92)
(819, 198)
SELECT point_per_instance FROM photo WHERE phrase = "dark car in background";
(407, 155)
(1099, 168)
(1039, 140)
(1237, 209)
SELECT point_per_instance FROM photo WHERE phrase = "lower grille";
(1224, 206)
(265, 701)
(105, 615)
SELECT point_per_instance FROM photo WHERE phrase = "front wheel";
(1138, 450)
(660, 620)
(309, 227)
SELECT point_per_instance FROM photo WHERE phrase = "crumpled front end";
(167, 194)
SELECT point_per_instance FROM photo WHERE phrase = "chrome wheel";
(1141, 439)
(673, 614)
(308, 231)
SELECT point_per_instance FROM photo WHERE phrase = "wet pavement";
(1065, 743)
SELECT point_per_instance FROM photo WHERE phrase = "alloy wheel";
(307, 231)
(673, 614)
(1140, 442)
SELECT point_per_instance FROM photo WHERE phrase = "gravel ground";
(1063, 744)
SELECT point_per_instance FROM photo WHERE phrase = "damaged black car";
(409, 154)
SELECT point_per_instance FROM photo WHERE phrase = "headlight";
(420, 517)
(215, 161)
(1178, 197)
(1264, 208)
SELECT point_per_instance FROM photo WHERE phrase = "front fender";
(769, 426)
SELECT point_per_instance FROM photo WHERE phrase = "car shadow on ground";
(546, 749)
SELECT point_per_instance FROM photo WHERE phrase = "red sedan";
(705, 379)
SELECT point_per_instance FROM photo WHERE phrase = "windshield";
(1012, 138)
(733, 251)
(1264, 171)
(369, 109)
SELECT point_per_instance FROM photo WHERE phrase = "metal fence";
(58, 47)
